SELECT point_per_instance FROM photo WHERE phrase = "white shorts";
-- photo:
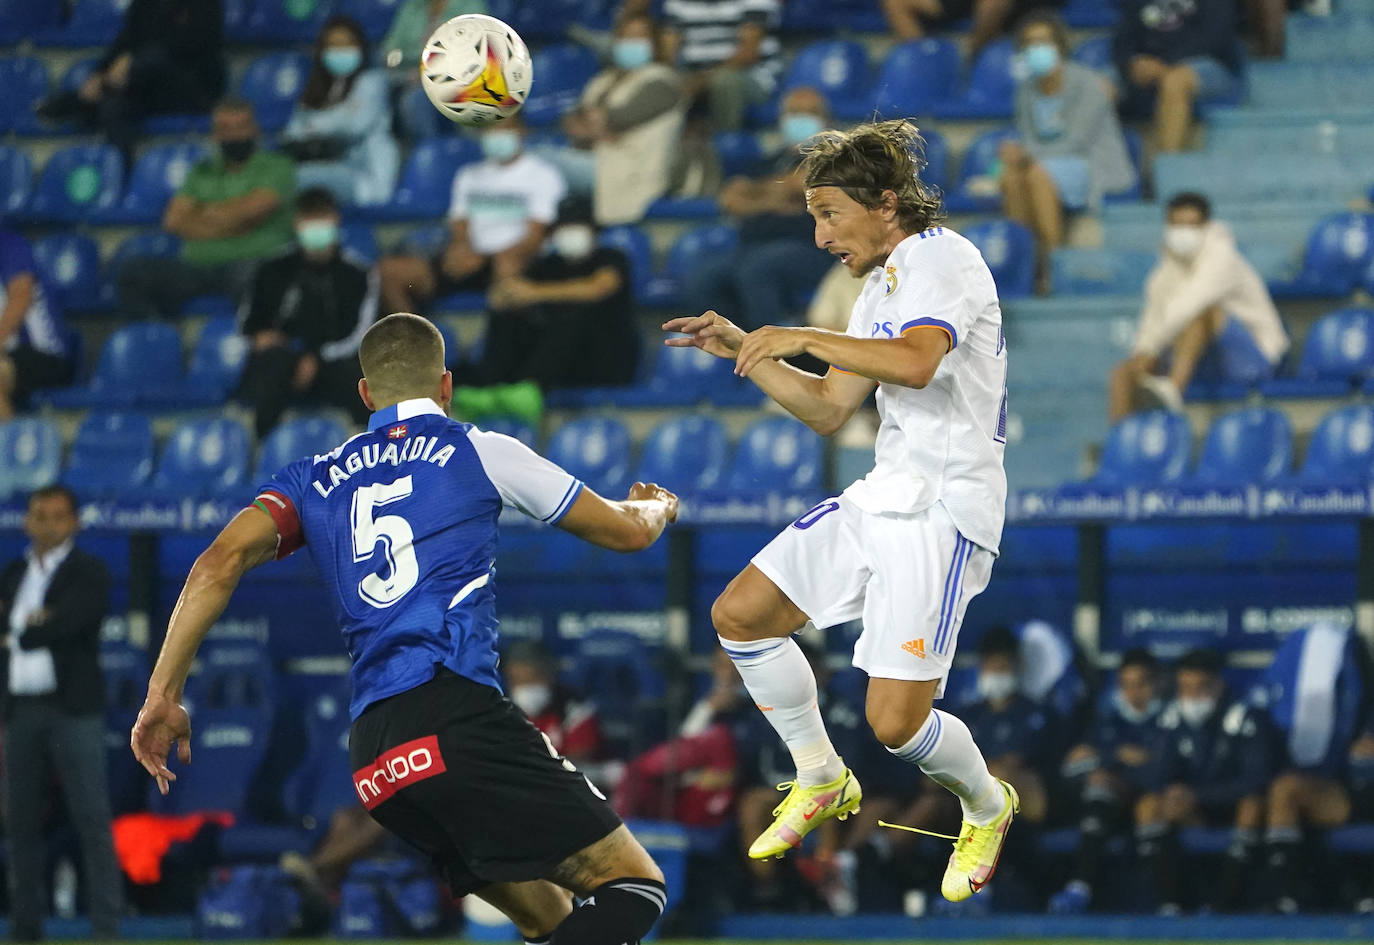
(910, 577)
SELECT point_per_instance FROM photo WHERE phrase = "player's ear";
(888, 204)
(365, 394)
(445, 388)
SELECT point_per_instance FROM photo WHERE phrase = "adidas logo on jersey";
(915, 648)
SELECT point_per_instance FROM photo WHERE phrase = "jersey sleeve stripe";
(843, 371)
(283, 515)
(569, 497)
(944, 326)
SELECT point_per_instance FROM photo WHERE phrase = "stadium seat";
(1096, 54)
(1009, 250)
(323, 782)
(1145, 449)
(297, 439)
(689, 251)
(1135, 149)
(977, 189)
(124, 669)
(22, 19)
(144, 243)
(839, 70)
(936, 170)
(777, 454)
(1099, 271)
(76, 184)
(358, 239)
(825, 16)
(634, 243)
(92, 23)
(1338, 253)
(739, 153)
(689, 452)
(682, 376)
(70, 267)
(1341, 450)
(1348, 35)
(914, 77)
(1337, 354)
(512, 427)
(562, 72)
(30, 454)
(596, 450)
(425, 187)
(991, 86)
(548, 20)
(204, 459)
(25, 81)
(272, 84)
(230, 747)
(140, 365)
(16, 180)
(284, 21)
(111, 456)
(375, 16)
(157, 175)
(1090, 14)
(616, 672)
(217, 360)
(1251, 445)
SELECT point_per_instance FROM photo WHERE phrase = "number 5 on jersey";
(384, 588)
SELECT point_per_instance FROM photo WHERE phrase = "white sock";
(782, 685)
(944, 750)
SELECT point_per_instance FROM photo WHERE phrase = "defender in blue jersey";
(402, 524)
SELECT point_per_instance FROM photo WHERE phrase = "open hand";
(712, 333)
(161, 723)
(769, 342)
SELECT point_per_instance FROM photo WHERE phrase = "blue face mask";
(340, 61)
(797, 127)
(500, 144)
(632, 53)
(1041, 58)
(317, 235)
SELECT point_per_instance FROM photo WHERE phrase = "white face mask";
(1130, 713)
(994, 687)
(1196, 711)
(532, 698)
(1183, 241)
(573, 241)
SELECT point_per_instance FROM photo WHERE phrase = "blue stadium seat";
(287, 21)
(615, 670)
(1096, 54)
(1135, 148)
(1099, 271)
(1009, 250)
(690, 453)
(826, 16)
(683, 376)
(688, 252)
(739, 153)
(374, 15)
(1341, 449)
(217, 360)
(16, 180)
(839, 70)
(777, 454)
(597, 451)
(140, 365)
(512, 427)
(77, 183)
(976, 190)
(23, 19)
(157, 175)
(1251, 445)
(634, 243)
(204, 459)
(991, 86)
(936, 170)
(1145, 449)
(25, 81)
(111, 457)
(359, 239)
(30, 454)
(1338, 253)
(141, 244)
(425, 187)
(561, 73)
(70, 267)
(230, 747)
(92, 23)
(323, 784)
(915, 76)
(1337, 355)
(296, 439)
(125, 671)
(548, 20)
(1090, 14)
(272, 84)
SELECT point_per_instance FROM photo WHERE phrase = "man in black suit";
(53, 601)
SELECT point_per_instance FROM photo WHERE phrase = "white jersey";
(943, 443)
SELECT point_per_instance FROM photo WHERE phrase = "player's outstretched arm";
(629, 525)
(246, 542)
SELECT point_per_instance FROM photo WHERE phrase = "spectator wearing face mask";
(1201, 294)
(1110, 770)
(340, 132)
(1212, 765)
(571, 726)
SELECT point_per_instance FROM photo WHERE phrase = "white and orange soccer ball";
(476, 70)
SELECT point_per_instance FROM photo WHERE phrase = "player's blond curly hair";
(884, 155)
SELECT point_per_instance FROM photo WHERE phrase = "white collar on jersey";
(403, 411)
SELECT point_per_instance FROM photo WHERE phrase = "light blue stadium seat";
(1099, 271)
(688, 452)
(92, 23)
(77, 183)
(991, 86)
(1096, 54)
(204, 459)
(285, 21)
(217, 360)
(691, 250)
(738, 152)
(139, 365)
(634, 243)
(1311, 87)
(157, 175)
(374, 15)
(1339, 251)
(296, 439)
(1328, 38)
(839, 70)
(512, 427)
(1251, 445)
(777, 454)
(16, 180)
(359, 239)
(1341, 449)
(111, 457)
(1337, 354)
(1324, 179)
(23, 19)
(70, 265)
(1145, 449)
(560, 74)
(915, 76)
(597, 451)
(425, 187)
(1009, 250)
(30, 454)
(156, 243)
(975, 169)
(273, 84)
(25, 81)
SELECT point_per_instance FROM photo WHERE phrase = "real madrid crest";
(891, 280)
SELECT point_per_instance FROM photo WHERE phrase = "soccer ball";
(476, 70)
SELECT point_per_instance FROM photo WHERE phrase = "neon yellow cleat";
(803, 810)
(975, 855)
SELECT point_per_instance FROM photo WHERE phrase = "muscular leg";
(406, 282)
(351, 836)
(1192, 343)
(1174, 110)
(1047, 210)
(535, 907)
(621, 888)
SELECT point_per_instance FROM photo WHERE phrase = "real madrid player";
(402, 524)
(907, 547)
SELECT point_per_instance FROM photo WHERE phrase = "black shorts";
(456, 770)
(479, 281)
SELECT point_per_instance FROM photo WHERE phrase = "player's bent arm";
(909, 361)
(629, 525)
(822, 403)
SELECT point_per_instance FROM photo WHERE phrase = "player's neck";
(894, 239)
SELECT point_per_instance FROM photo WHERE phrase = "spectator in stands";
(305, 316)
(1173, 56)
(571, 726)
(501, 212)
(777, 264)
(1201, 293)
(914, 19)
(415, 20)
(340, 132)
(630, 117)
(233, 209)
(730, 51)
(1212, 765)
(1110, 771)
(53, 601)
(167, 57)
(35, 345)
(1070, 150)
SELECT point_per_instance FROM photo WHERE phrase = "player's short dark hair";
(1190, 198)
(998, 641)
(1200, 660)
(315, 201)
(871, 159)
(1050, 19)
(56, 490)
(1140, 657)
(402, 356)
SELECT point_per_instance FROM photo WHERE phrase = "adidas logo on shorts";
(915, 648)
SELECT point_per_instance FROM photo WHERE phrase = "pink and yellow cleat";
(803, 810)
(977, 850)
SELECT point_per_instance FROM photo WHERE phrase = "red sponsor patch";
(398, 768)
(397, 432)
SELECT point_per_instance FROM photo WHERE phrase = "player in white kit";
(907, 547)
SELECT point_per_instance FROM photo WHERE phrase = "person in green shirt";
(401, 48)
(233, 209)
